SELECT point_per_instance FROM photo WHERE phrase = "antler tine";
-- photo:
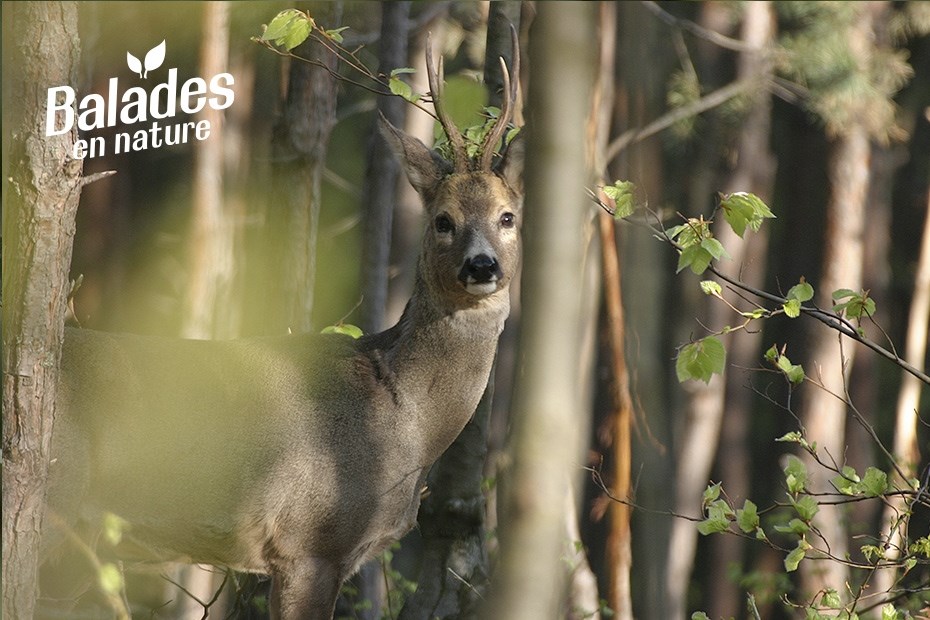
(456, 140)
(509, 100)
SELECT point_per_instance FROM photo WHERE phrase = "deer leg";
(305, 589)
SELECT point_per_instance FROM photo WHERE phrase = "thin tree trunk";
(823, 414)
(709, 402)
(754, 172)
(545, 446)
(383, 172)
(299, 147)
(40, 199)
(640, 97)
(906, 448)
(212, 266)
(618, 552)
(454, 569)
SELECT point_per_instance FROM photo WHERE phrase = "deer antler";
(509, 100)
(459, 154)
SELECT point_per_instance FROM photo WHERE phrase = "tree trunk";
(906, 448)
(545, 445)
(454, 568)
(299, 146)
(40, 199)
(383, 172)
(210, 309)
(823, 414)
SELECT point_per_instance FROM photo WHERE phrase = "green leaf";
(758, 313)
(701, 360)
(872, 552)
(794, 526)
(794, 372)
(742, 210)
(772, 354)
(699, 615)
(795, 474)
(718, 518)
(621, 192)
(711, 494)
(113, 528)
(792, 308)
(797, 554)
(747, 517)
(806, 507)
(288, 29)
(336, 34)
(714, 248)
(890, 613)
(345, 329)
(920, 546)
(874, 482)
(110, 578)
(709, 287)
(695, 257)
(402, 89)
(856, 304)
(831, 599)
(847, 481)
(801, 291)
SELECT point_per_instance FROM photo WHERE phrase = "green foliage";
(797, 295)
(697, 245)
(475, 134)
(742, 210)
(113, 528)
(345, 329)
(110, 579)
(795, 475)
(701, 360)
(400, 87)
(845, 87)
(621, 192)
(793, 372)
(873, 484)
(793, 559)
(289, 29)
(852, 304)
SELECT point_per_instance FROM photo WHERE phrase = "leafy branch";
(698, 249)
(291, 27)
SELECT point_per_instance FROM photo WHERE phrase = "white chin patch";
(483, 288)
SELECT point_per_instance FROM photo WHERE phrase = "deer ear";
(510, 167)
(423, 167)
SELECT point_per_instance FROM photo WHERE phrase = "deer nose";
(480, 269)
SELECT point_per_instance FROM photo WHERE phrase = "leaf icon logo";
(153, 60)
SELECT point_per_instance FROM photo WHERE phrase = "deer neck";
(441, 358)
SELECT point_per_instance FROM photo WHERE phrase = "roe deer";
(301, 456)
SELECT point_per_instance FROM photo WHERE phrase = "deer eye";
(443, 224)
(507, 220)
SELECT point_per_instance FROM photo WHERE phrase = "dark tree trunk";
(40, 199)
(377, 217)
(299, 147)
(454, 570)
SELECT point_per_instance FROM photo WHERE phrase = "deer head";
(473, 205)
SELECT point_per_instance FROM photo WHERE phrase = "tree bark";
(823, 414)
(454, 569)
(40, 200)
(906, 448)
(210, 310)
(545, 444)
(382, 174)
(299, 146)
